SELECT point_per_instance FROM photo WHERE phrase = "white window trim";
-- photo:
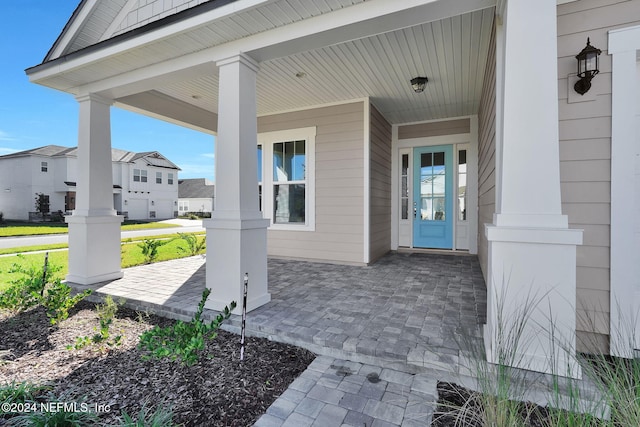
(267, 139)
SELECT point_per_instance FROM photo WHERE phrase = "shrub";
(65, 412)
(26, 291)
(150, 248)
(194, 244)
(106, 313)
(161, 417)
(1, 217)
(183, 340)
(19, 392)
(58, 301)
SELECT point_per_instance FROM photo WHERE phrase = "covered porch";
(404, 311)
(322, 91)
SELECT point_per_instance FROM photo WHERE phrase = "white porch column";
(94, 227)
(532, 252)
(237, 232)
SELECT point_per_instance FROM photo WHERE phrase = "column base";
(94, 248)
(236, 247)
(531, 287)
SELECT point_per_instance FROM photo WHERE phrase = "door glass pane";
(438, 159)
(438, 209)
(288, 160)
(405, 209)
(426, 159)
(405, 164)
(432, 186)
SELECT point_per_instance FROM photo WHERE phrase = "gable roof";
(195, 188)
(152, 158)
(96, 22)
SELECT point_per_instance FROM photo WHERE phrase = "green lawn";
(11, 228)
(131, 256)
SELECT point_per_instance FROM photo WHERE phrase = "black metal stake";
(44, 273)
(244, 314)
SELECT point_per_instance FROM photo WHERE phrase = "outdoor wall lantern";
(153, 203)
(126, 202)
(588, 67)
(418, 84)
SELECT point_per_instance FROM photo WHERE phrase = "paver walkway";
(385, 332)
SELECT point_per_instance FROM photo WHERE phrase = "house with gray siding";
(496, 154)
(195, 195)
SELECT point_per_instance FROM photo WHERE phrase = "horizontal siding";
(486, 155)
(440, 128)
(339, 177)
(585, 150)
(379, 185)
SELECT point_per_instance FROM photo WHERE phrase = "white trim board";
(623, 46)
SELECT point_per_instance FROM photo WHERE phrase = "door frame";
(400, 146)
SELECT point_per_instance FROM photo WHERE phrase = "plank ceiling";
(451, 52)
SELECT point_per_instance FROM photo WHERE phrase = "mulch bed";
(218, 390)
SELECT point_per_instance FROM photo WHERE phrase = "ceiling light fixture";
(418, 84)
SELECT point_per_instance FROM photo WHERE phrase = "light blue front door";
(433, 197)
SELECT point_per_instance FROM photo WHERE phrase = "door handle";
(415, 210)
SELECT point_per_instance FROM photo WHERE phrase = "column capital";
(242, 58)
(95, 98)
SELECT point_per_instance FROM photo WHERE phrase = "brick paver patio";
(396, 319)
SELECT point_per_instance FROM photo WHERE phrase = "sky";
(33, 116)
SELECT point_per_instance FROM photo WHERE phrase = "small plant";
(1, 217)
(57, 300)
(161, 417)
(106, 313)
(19, 392)
(150, 248)
(194, 244)
(26, 291)
(183, 340)
(65, 412)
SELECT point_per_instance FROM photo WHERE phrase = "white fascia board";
(355, 22)
(69, 33)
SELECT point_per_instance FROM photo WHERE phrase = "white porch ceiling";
(451, 52)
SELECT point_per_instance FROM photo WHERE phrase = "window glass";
(44, 166)
(158, 177)
(143, 175)
(432, 186)
(289, 193)
(288, 203)
(170, 178)
(462, 185)
(404, 189)
(136, 175)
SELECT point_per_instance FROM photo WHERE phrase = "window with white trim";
(183, 206)
(286, 178)
(158, 177)
(44, 167)
(139, 175)
(170, 178)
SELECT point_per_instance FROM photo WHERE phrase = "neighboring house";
(498, 155)
(144, 184)
(195, 195)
